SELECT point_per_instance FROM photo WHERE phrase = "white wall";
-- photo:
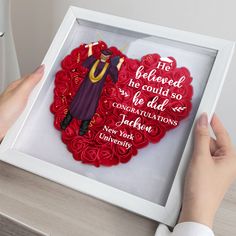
(35, 22)
(32, 29)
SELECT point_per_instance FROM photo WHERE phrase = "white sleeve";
(185, 229)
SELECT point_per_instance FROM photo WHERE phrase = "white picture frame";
(167, 213)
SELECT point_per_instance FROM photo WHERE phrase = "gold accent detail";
(92, 71)
(78, 58)
(123, 48)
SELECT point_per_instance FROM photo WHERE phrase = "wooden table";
(33, 206)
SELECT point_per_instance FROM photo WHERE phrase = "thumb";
(202, 136)
(30, 81)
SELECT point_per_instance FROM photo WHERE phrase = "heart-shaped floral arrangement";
(108, 106)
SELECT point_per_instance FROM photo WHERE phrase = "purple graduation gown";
(85, 102)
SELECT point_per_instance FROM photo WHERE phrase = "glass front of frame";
(150, 174)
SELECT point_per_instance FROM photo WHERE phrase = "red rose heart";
(150, 97)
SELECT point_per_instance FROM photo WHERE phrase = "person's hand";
(90, 45)
(122, 60)
(14, 99)
(211, 172)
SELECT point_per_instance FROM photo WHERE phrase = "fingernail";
(39, 70)
(203, 120)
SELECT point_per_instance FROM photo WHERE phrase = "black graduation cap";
(106, 52)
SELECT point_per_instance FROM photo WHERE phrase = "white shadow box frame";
(151, 183)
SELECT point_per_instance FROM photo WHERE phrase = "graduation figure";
(85, 102)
